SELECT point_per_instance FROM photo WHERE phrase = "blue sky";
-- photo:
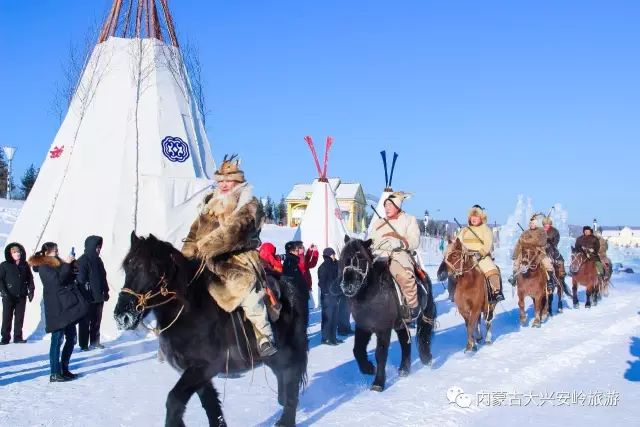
(482, 100)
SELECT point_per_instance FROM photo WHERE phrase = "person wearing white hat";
(395, 236)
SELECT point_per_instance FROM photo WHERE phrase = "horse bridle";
(144, 298)
(356, 267)
(531, 261)
(464, 255)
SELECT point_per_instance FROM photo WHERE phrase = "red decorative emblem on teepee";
(56, 152)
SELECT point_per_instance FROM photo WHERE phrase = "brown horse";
(470, 295)
(585, 273)
(532, 282)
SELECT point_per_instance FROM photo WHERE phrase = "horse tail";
(426, 324)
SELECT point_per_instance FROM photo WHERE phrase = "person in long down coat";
(61, 309)
(16, 286)
(93, 276)
(330, 292)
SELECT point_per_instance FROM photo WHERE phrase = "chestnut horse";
(585, 273)
(470, 294)
(532, 283)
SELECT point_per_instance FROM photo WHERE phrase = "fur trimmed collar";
(222, 206)
(40, 260)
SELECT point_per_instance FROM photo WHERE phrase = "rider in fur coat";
(225, 236)
(534, 238)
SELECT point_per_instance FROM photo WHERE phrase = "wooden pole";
(107, 24)
(169, 22)
(139, 18)
(116, 15)
(157, 32)
(148, 12)
(126, 19)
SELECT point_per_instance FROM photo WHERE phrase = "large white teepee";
(322, 222)
(131, 153)
(388, 178)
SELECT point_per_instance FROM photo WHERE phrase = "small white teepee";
(388, 178)
(131, 153)
(322, 222)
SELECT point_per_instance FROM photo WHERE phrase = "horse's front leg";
(405, 346)
(588, 303)
(523, 314)
(190, 382)
(478, 332)
(471, 321)
(488, 338)
(292, 381)
(550, 304)
(574, 289)
(560, 296)
(361, 340)
(382, 352)
(538, 309)
(211, 404)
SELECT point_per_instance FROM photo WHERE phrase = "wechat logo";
(458, 397)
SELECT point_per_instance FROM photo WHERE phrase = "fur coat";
(226, 235)
(536, 238)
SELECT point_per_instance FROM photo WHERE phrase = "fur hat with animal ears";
(547, 220)
(229, 169)
(477, 210)
(397, 197)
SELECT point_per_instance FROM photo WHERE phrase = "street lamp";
(426, 222)
(595, 225)
(9, 152)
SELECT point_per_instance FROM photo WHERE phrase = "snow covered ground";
(535, 373)
(582, 367)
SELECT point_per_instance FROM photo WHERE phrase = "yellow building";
(350, 198)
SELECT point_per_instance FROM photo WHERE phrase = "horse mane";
(160, 258)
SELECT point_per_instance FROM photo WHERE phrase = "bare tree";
(191, 57)
(72, 67)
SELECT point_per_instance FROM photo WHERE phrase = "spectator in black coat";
(291, 270)
(62, 307)
(329, 294)
(16, 285)
(291, 266)
(92, 277)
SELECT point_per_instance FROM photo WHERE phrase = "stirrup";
(267, 349)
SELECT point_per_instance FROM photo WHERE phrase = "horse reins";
(144, 298)
(464, 255)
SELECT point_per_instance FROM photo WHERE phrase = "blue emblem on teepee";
(175, 149)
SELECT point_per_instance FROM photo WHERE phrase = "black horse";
(201, 340)
(374, 304)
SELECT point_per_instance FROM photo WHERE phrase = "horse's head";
(530, 257)
(457, 260)
(578, 258)
(356, 260)
(150, 267)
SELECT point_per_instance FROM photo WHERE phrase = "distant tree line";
(27, 181)
(273, 213)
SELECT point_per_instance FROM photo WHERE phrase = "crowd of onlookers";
(74, 293)
(296, 265)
